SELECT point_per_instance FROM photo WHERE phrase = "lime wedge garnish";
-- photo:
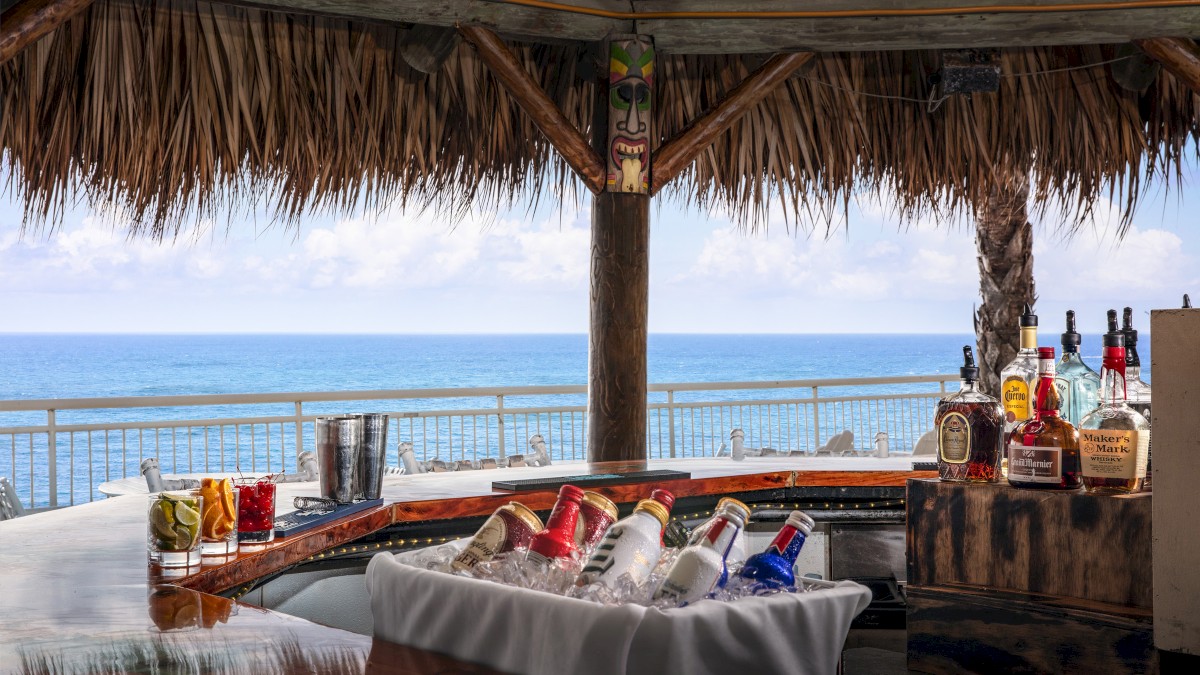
(161, 522)
(186, 515)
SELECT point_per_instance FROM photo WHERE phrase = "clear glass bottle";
(1137, 391)
(1043, 453)
(1018, 380)
(1078, 385)
(1114, 439)
(970, 430)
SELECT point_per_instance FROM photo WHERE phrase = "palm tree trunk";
(1004, 242)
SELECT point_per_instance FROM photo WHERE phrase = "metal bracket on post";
(51, 458)
(500, 423)
(671, 419)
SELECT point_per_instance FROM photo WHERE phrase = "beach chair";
(926, 444)
(10, 503)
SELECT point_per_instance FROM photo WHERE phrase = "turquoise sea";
(68, 366)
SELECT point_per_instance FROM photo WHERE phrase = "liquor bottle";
(1078, 385)
(631, 546)
(1137, 392)
(970, 430)
(1019, 378)
(1044, 451)
(774, 566)
(738, 552)
(699, 568)
(1114, 439)
(558, 539)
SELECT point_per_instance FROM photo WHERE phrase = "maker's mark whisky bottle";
(1114, 439)
(970, 429)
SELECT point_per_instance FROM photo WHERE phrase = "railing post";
(52, 458)
(671, 419)
(816, 421)
(299, 431)
(500, 423)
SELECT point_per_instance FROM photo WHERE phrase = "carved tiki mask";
(630, 84)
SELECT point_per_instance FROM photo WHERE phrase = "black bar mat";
(301, 521)
(588, 480)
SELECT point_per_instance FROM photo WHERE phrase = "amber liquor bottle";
(970, 430)
(1114, 439)
(1043, 452)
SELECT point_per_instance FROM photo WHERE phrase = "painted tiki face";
(630, 81)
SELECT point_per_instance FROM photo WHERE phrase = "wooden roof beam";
(545, 114)
(676, 154)
(25, 23)
(1180, 56)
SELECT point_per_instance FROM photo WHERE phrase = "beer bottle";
(558, 539)
(700, 567)
(773, 567)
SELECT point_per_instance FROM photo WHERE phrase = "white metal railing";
(57, 451)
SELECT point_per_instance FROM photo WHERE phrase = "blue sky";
(517, 272)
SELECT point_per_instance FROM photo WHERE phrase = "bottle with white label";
(700, 567)
(1114, 439)
(1043, 452)
(631, 546)
(737, 552)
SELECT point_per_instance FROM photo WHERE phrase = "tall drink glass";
(339, 442)
(173, 528)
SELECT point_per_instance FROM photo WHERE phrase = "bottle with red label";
(774, 566)
(596, 514)
(558, 539)
(1043, 452)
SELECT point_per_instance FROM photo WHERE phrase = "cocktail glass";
(219, 524)
(173, 528)
(256, 511)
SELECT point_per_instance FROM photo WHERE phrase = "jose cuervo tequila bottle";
(1019, 378)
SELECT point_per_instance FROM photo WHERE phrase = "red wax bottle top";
(663, 497)
(558, 539)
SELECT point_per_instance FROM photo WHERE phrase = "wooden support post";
(676, 154)
(28, 21)
(1180, 56)
(545, 114)
(620, 275)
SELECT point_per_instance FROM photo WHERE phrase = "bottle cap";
(600, 502)
(663, 497)
(735, 506)
(571, 493)
(1046, 353)
(969, 371)
(527, 516)
(1071, 339)
(1114, 337)
(801, 521)
(1127, 328)
(654, 508)
(1028, 318)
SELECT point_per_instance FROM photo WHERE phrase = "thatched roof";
(179, 109)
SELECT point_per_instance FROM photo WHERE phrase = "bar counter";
(77, 595)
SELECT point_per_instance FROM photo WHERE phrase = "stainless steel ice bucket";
(368, 479)
(339, 443)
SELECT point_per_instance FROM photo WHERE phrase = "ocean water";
(71, 366)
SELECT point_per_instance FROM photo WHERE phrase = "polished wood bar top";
(77, 593)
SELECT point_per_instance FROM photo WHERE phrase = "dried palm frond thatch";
(180, 109)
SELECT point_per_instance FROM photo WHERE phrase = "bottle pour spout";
(969, 371)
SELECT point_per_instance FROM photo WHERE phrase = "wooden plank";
(1176, 447)
(565, 138)
(1067, 544)
(993, 26)
(28, 21)
(1180, 56)
(618, 327)
(676, 154)
(956, 630)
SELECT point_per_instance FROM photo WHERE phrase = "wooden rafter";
(24, 23)
(1180, 56)
(545, 114)
(676, 154)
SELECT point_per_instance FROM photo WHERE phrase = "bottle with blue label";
(774, 566)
